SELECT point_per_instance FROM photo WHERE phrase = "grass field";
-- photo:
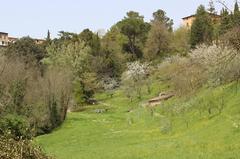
(185, 133)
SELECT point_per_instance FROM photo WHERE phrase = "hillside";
(181, 128)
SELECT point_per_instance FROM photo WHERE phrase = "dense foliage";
(202, 28)
(21, 149)
(39, 83)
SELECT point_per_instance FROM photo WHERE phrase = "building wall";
(188, 22)
(12, 40)
(39, 41)
(3, 39)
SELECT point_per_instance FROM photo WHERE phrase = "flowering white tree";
(109, 84)
(134, 78)
(220, 63)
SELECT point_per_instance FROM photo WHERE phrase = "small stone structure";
(162, 97)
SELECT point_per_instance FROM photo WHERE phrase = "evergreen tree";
(226, 21)
(136, 30)
(202, 28)
(91, 40)
(236, 8)
(48, 36)
(160, 17)
(236, 15)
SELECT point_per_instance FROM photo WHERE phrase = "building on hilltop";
(5, 40)
(39, 41)
(12, 40)
(188, 21)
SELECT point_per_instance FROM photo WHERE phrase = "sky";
(34, 17)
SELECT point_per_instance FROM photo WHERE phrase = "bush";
(15, 126)
(232, 38)
(206, 65)
(220, 63)
(109, 84)
(21, 149)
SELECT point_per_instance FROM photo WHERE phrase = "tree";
(135, 29)
(134, 78)
(226, 21)
(202, 28)
(180, 43)
(27, 49)
(91, 40)
(159, 37)
(47, 41)
(77, 57)
(160, 16)
(236, 15)
(158, 42)
(48, 36)
(112, 60)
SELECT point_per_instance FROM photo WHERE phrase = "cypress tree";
(48, 36)
(202, 28)
(226, 21)
(236, 8)
(236, 15)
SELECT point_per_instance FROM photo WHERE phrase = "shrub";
(206, 65)
(219, 62)
(15, 126)
(21, 149)
(232, 38)
(109, 84)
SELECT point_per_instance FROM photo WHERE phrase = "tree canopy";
(202, 28)
(135, 29)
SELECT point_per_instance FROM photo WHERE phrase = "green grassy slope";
(178, 129)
